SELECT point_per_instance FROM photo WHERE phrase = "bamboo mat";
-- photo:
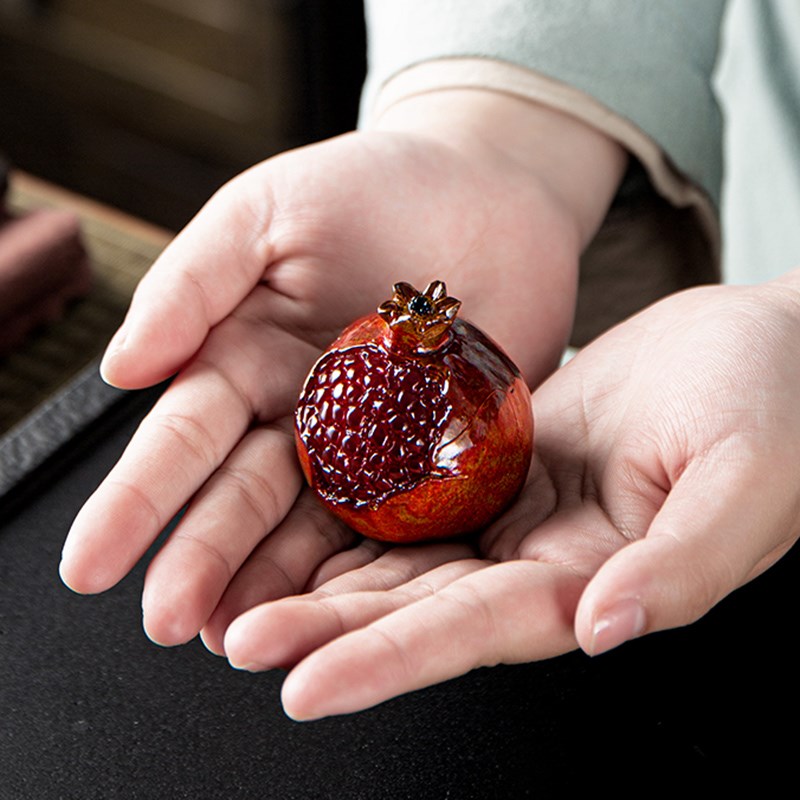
(120, 249)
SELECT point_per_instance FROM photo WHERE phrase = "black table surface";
(89, 708)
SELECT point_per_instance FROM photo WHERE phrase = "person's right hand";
(664, 477)
(268, 273)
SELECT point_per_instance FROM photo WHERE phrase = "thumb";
(205, 272)
(726, 520)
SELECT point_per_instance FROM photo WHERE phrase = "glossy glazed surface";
(406, 446)
(370, 421)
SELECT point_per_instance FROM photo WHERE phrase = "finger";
(392, 568)
(206, 271)
(280, 634)
(232, 513)
(511, 612)
(180, 443)
(168, 459)
(286, 562)
(280, 566)
(709, 537)
(367, 551)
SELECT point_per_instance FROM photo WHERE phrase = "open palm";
(240, 305)
(663, 481)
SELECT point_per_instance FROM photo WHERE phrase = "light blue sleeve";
(649, 62)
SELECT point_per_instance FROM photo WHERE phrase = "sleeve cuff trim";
(500, 76)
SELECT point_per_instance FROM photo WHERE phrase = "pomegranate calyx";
(419, 322)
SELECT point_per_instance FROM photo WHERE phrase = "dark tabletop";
(89, 708)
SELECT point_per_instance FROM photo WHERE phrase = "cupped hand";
(665, 477)
(240, 305)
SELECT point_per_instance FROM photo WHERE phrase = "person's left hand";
(266, 275)
(664, 478)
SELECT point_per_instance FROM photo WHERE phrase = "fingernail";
(62, 573)
(116, 345)
(250, 666)
(618, 624)
(298, 717)
(292, 695)
(118, 339)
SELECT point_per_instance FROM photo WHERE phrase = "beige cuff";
(653, 242)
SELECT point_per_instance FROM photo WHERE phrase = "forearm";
(579, 167)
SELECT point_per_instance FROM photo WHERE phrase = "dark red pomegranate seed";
(413, 424)
(370, 421)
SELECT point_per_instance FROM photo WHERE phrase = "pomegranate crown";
(419, 321)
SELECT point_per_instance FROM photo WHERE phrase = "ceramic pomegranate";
(414, 424)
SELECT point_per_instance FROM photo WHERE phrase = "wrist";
(790, 281)
(579, 166)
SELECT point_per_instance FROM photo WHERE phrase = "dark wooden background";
(150, 105)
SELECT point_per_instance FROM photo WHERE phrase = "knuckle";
(264, 560)
(190, 434)
(255, 492)
(141, 498)
(482, 622)
(207, 547)
(333, 531)
(398, 655)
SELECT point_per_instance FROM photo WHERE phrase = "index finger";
(204, 273)
(183, 440)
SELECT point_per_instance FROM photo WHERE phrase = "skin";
(487, 441)
(686, 406)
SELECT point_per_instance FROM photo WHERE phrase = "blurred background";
(150, 105)
(146, 106)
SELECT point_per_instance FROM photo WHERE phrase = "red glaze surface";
(370, 421)
(406, 446)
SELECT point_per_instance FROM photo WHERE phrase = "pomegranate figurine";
(414, 424)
